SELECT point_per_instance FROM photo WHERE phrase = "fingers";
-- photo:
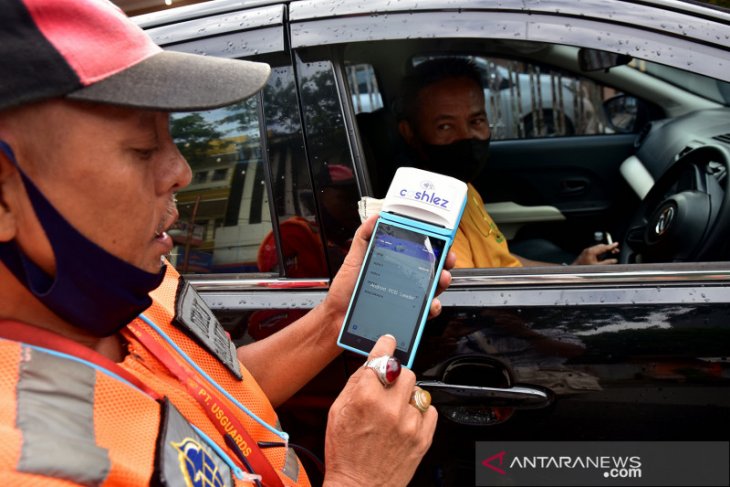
(365, 231)
(374, 436)
(603, 248)
(444, 282)
(359, 246)
(592, 255)
(406, 380)
(445, 277)
(384, 346)
(428, 424)
(450, 260)
(343, 285)
(607, 249)
(435, 308)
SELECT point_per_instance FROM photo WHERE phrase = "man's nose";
(471, 131)
(175, 172)
(466, 131)
(184, 173)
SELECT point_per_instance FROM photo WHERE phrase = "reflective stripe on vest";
(56, 418)
(291, 467)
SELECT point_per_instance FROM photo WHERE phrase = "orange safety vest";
(65, 421)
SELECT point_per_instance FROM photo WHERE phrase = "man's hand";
(374, 436)
(343, 285)
(308, 345)
(592, 255)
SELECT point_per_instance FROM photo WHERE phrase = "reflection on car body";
(637, 351)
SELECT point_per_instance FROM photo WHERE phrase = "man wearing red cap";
(112, 369)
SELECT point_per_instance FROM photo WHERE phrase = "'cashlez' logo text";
(426, 194)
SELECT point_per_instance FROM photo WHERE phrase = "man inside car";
(443, 121)
(102, 383)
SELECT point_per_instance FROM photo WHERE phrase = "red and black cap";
(89, 50)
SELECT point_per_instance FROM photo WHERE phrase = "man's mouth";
(162, 229)
(168, 221)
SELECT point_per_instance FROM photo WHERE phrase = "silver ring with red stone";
(387, 368)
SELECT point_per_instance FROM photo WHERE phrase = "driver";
(444, 125)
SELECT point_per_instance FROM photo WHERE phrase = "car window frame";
(544, 21)
(229, 292)
(520, 282)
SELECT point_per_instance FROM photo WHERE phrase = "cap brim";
(175, 81)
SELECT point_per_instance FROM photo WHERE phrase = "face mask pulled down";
(92, 289)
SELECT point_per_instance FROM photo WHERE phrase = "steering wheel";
(686, 215)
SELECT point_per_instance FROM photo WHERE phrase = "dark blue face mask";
(92, 289)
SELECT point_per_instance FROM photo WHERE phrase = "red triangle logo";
(499, 456)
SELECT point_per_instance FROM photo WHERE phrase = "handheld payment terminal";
(398, 279)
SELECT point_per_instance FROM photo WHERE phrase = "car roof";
(213, 7)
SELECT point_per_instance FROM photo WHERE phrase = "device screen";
(396, 281)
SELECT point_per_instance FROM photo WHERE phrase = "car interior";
(579, 138)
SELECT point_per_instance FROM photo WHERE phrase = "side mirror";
(596, 60)
(622, 113)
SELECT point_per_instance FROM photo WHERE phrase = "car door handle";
(518, 397)
(573, 186)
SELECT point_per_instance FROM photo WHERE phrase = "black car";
(610, 120)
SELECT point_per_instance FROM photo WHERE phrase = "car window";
(528, 100)
(300, 252)
(330, 157)
(224, 212)
(364, 88)
(570, 160)
(698, 84)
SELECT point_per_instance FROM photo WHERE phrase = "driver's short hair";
(430, 72)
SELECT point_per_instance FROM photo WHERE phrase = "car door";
(560, 353)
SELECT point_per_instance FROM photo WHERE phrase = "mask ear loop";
(7, 152)
(9, 251)
(5, 147)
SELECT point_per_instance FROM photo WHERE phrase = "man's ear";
(8, 178)
(406, 131)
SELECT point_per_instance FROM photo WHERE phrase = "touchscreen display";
(395, 284)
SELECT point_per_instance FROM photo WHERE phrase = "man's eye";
(479, 122)
(145, 153)
(445, 126)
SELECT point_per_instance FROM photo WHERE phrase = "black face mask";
(92, 289)
(463, 159)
